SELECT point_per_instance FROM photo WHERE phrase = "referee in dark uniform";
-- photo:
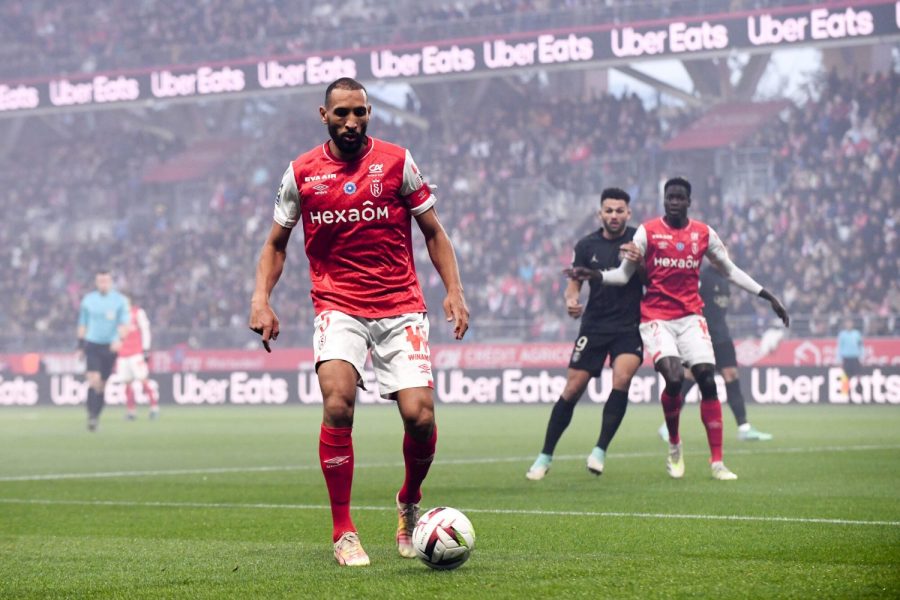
(102, 324)
(715, 291)
(609, 327)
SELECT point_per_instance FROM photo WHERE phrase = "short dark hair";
(678, 181)
(344, 83)
(615, 194)
(103, 271)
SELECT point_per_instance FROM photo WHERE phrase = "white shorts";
(130, 368)
(400, 354)
(686, 338)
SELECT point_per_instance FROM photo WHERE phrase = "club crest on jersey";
(680, 246)
(349, 188)
(376, 188)
(695, 248)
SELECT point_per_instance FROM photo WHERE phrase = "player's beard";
(615, 232)
(347, 146)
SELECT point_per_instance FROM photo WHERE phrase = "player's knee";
(338, 411)
(706, 381)
(729, 374)
(421, 425)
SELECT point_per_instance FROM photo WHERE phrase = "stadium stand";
(515, 191)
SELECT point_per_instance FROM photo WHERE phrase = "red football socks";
(148, 389)
(711, 413)
(672, 409)
(336, 460)
(129, 397)
(417, 457)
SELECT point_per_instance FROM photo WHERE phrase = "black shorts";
(851, 366)
(725, 355)
(100, 358)
(591, 349)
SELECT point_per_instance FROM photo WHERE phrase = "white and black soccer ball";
(444, 538)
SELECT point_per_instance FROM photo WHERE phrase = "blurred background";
(149, 137)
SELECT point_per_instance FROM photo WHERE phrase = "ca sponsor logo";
(376, 168)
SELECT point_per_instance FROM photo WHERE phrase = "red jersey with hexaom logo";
(357, 230)
(672, 259)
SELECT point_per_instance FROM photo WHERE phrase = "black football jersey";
(609, 308)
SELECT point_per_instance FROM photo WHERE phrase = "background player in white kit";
(672, 325)
(355, 195)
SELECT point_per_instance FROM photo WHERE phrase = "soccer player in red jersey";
(673, 328)
(133, 360)
(354, 197)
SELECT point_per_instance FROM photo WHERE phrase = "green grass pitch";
(230, 503)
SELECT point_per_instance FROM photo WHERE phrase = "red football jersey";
(138, 338)
(356, 218)
(672, 258)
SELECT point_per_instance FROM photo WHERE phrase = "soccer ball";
(444, 538)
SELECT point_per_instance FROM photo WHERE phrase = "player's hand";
(630, 251)
(781, 311)
(264, 321)
(582, 274)
(116, 346)
(574, 307)
(455, 310)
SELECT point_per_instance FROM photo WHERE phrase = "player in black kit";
(609, 327)
(716, 294)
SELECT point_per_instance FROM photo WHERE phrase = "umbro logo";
(336, 461)
(594, 258)
(320, 189)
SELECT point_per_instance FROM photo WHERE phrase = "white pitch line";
(452, 461)
(496, 511)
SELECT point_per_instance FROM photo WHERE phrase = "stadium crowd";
(518, 183)
(46, 37)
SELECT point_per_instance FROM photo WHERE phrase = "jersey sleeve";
(718, 256)
(622, 274)
(640, 239)
(287, 199)
(143, 324)
(579, 256)
(413, 188)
